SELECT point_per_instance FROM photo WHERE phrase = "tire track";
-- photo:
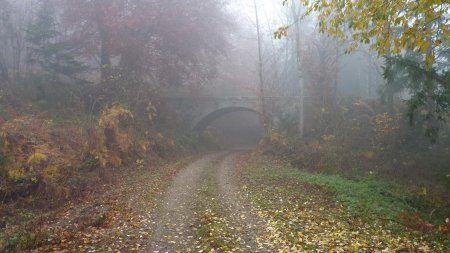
(174, 226)
(239, 211)
(177, 223)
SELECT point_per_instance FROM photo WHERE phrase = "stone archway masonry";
(199, 112)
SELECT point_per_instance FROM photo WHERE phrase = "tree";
(4, 23)
(260, 70)
(52, 61)
(389, 26)
(145, 36)
(140, 47)
(98, 27)
(51, 56)
(429, 89)
(321, 67)
(393, 28)
(13, 17)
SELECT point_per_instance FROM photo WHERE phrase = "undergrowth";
(99, 221)
(371, 199)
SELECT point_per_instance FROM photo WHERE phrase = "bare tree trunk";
(301, 102)
(260, 70)
(390, 90)
(3, 69)
(105, 52)
(336, 72)
(369, 76)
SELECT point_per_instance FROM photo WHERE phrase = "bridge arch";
(201, 124)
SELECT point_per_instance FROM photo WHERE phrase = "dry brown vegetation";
(44, 165)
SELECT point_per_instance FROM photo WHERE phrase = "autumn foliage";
(42, 160)
(414, 221)
(36, 156)
(111, 140)
(83, 93)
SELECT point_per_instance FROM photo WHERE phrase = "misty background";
(92, 91)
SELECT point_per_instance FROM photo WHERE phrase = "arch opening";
(231, 128)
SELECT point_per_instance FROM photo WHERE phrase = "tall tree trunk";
(4, 75)
(105, 51)
(336, 73)
(369, 76)
(260, 71)
(390, 89)
(301, 97)
(390, 98)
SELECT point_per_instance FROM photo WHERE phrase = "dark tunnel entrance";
(234, 129)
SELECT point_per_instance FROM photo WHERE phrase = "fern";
(37, 158)
(17, 174)
(112, 138)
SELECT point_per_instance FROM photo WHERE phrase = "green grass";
(366, 198)
(369, 197)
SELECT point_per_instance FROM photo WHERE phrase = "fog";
(236, 130)
(90, 88)
(79, 57)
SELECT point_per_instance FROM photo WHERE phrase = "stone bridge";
(199, 112)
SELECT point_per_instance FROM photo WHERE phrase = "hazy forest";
(224, 126)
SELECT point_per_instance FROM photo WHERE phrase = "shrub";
(37, 158)
(111, 140)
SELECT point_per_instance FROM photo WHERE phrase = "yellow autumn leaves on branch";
(390, 27)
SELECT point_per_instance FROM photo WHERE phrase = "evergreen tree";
(52, 57)
(429, 88)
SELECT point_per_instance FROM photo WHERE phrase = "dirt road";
(180, 219)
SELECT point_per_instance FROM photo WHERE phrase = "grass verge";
(327, 212)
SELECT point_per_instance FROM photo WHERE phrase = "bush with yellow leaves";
(112, 140)
(37, 158)
(17, 173)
